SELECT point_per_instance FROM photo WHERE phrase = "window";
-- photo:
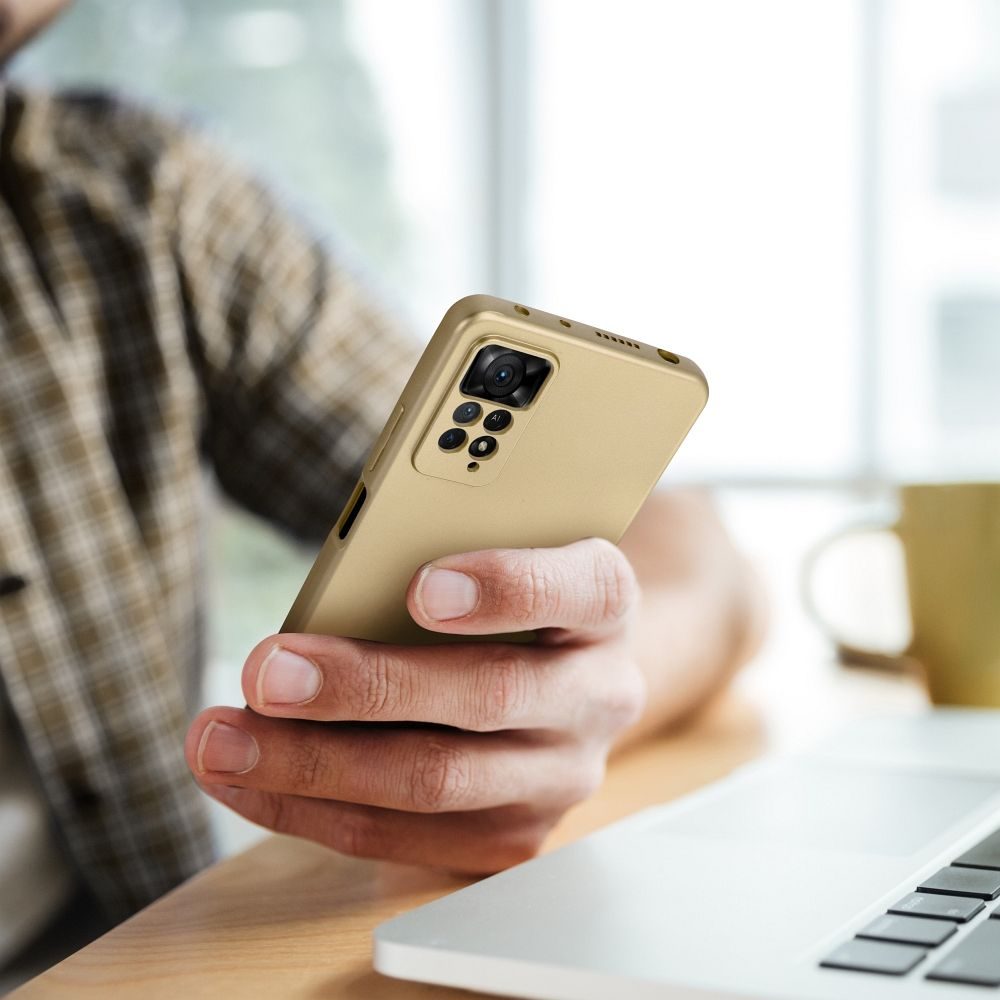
(937, 266)
(696, 187)
(803, 197)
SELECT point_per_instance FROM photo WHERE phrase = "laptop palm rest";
(831, 807)
(733, 891)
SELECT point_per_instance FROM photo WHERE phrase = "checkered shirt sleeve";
(159, 311)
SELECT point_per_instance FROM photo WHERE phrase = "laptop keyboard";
(943, 906)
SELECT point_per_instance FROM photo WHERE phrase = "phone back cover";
(599, 434)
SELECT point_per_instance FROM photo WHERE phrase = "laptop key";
(973, 882)
(975, 960)
(909, 930)
(937, 907)
(874, 956)
(986, 854)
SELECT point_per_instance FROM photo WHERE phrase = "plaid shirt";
(158, 312)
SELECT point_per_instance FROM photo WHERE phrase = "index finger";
(586, 587)
(481, 687)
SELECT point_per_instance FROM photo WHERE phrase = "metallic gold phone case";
(604, 416)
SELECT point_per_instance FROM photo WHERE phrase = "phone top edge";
(471, 308)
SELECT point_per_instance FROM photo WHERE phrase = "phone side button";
(383, 438)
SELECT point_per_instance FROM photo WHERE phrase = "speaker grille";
(617, 340)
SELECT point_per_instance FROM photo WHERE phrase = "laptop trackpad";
(819, 805)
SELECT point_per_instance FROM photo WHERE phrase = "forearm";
(701, 614)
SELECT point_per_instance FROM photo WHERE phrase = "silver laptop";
(869, 867)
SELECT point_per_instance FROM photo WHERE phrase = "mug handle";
(848, 654)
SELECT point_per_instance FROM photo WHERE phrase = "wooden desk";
(289, 919)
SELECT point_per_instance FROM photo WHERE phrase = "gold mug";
(950, 534)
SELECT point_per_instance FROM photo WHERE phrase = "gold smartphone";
(517, 429)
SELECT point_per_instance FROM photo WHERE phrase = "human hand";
(461, 755)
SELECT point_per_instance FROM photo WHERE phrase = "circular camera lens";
(452, 439)
(466, 413)
(503, 375)
(483, 446)
(498, 420)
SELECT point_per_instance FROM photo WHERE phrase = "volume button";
(383, 438)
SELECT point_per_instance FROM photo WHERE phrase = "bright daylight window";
(804, 197)
(696, 186)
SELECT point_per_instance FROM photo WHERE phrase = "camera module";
(504, 375)
(498, 420)
(501, 374)
(483, 446)
(452, 438)
(466, 413)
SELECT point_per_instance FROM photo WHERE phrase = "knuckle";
(609, 692)
(508, 835)
(521, 845)
(376, 689)
(441, 777)
(617, 587)
(595, 776)
(356, 834)
(586, 779)
(626, 698)
(502, 693)
(274, 813)
(535, 595)
(307, 765)
(375, 699)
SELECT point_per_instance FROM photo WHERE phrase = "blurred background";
(801, 195)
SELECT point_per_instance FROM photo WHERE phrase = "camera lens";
(452, 439)
(501, 374)
(504, 375)
(466, 413)
(483, 446)
(498, 420)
